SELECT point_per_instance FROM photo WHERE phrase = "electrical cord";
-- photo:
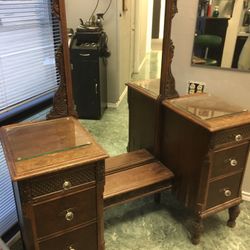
(94, 9)
(110, 1)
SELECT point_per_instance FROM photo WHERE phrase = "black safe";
(89, 73)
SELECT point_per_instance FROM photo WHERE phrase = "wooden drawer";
(81, 239)
(65, 212)
(229, 160)
(228, 136)
(59, 181)
(223, 190)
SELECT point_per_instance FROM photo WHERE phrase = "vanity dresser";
(57, 170)
(143, 105)
(205, 142)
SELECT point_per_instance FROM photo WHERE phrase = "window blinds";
(29, 37)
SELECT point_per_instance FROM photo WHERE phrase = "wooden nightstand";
(205, 143)
(57, 171)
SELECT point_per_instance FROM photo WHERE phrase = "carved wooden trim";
(63, 99)
(60, 107)
(55, 8)
(100, 172)
(167, 83)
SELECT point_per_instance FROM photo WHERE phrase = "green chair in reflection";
(206, 42)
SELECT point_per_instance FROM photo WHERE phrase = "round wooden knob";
(227, 192)
(233, 162)
(67, 185)
(238, 137)
(69, 216)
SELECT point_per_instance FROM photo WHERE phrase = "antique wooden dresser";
(57, 171)
(205, 142)
(143, 103)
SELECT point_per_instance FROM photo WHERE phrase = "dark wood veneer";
(208, 158)
(59, 195)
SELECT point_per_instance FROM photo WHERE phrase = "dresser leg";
(233, 214)
(197, 231)
(157, 198)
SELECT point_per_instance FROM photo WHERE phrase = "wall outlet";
(196, 87)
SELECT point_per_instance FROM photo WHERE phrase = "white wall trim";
(3, 246)
(14, 239)
(245, 196)
(141, 65)
(116, 105)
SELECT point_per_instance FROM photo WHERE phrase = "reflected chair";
(204, 43)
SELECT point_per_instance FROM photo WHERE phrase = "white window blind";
(29, 37)
(27, 51)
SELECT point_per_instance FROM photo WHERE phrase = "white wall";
(76, 9)
(235, 86)
(141, 25)
(232, 33)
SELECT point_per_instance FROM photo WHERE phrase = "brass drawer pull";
(233, 162)
(67, 185)
(238, 137)
(71, 248)
(228, 192)
(69, 216)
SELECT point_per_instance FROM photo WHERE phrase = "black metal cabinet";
(89, 79)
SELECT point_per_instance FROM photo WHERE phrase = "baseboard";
(3, 246)
(245, 196)
(14, 239)
(116, 105)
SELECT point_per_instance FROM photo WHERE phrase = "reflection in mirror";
(222, 34)
(134, 37)
(133, 53)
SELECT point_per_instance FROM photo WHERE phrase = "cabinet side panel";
(100, 182)
(184, 149)
(142, 110)
(24, 212)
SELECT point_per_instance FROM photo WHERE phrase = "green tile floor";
(144, 225)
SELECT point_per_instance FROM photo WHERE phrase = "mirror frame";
(63, 103)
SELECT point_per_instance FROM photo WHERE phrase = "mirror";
(166, 85)
(130, 26)
(222, 34)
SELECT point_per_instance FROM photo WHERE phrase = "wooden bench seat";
(134, 175)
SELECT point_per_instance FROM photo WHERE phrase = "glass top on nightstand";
(206, 106)
(152, 85)
(43, 138)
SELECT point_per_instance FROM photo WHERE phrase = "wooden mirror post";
(167, 81)
(63, 103)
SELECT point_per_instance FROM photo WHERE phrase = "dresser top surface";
(212, 112)
(46, 146)
(150, 87)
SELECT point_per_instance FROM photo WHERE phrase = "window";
(29, 39)
(27, 57)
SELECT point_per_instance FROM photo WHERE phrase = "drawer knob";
(67, 185)
(71, 248)
(227, 193)
(233, 162)
(69, 216)
(238, 137)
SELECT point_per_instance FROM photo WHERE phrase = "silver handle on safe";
(85, 55)
(96, 89)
